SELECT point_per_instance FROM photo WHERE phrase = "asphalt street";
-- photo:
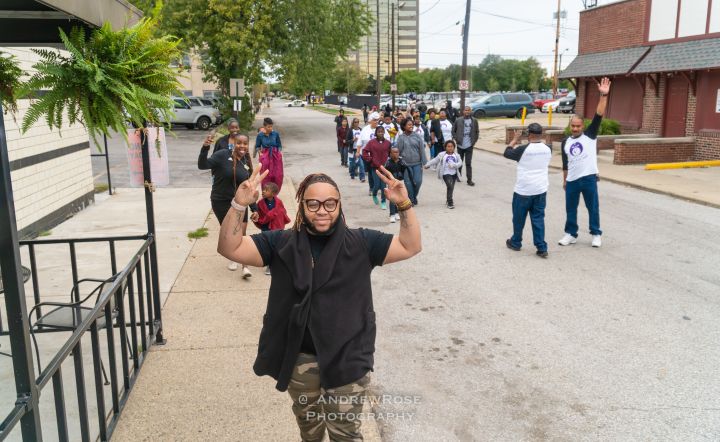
(477, 342)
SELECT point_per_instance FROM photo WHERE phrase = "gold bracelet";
(405, 205)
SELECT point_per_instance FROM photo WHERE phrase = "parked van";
(502, 105)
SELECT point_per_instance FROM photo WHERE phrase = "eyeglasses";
(329, 204)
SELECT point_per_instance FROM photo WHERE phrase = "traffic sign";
(237, 105)
(393, 87)
(464, 85)
(237, 87)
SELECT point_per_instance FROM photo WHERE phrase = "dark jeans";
(435, 149)
(370, 175)
(587, 186)
(393, 209)
(535, 206)
(357, 167)
(413, 181)
(378, 184)
(344, 155)
(450, 184)
(466, 157)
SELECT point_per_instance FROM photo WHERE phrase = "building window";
(707, 112)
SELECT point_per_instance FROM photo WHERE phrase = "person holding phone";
(230, 167)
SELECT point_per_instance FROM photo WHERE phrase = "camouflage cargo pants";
(316, 409)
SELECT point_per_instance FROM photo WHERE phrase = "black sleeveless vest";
(333, 298)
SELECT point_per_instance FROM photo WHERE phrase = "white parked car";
(552, 104)
(400, 102)
(191, 117)
(296, 103)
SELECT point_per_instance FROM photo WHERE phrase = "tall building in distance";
(407, 39)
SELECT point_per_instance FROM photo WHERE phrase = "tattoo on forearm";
(238, 223)
(403, 220)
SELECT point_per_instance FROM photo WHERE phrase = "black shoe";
(471, 183)
(511, 246)
(450, 206)
(542, 254)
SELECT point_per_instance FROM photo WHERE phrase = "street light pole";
(377, 39)
(392, 56)
(463, 72)
(557, 42)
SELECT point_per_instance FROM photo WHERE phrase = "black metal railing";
(127, 308)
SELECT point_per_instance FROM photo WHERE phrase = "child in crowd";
(396, 166)
(448, 169)
(271, 213)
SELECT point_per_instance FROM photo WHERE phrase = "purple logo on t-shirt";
(576, 148)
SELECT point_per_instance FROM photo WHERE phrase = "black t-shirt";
(221, 163)
(378, 244)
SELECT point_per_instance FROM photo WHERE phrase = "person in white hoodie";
(449, 167)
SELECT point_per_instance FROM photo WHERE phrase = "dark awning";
(685, 56)
(617, 62)
(36, 22)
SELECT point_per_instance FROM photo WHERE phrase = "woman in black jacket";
(230, 167)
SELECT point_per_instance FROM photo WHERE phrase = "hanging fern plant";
(106, 80)
(9, 82)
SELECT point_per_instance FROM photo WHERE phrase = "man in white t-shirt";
(531, 188)
(366, 134)
(580, 171)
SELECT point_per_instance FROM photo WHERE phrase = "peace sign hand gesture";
(247, 192)
(395, 190)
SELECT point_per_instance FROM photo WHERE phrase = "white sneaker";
(597, 241)
(232, 266)
(246, 272)
(567, 240)
(267, 270)
(392, 218)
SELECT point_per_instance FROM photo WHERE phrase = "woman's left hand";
(395, 190)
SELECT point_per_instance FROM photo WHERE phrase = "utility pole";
(557, 42)
(463, 72)
(393, 85)
(377, 39)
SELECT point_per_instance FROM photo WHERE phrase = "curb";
(636, 186)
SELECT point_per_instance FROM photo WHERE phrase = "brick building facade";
(663, 57)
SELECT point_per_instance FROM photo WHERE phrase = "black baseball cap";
(535, 128)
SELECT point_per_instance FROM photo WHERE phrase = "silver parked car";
(191, 117)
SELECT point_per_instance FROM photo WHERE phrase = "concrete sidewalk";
(699, 185)
(200, 385)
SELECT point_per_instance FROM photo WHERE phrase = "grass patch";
(331, 111)
(202, 232)
(100, 188)
(45, 233)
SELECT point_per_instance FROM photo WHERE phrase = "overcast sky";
(510, 28)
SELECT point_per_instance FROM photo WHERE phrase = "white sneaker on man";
(246, 272)
(392, 218)
(567, 240)
(597, 241)
(232, 266)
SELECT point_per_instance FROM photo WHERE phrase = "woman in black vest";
(318, 335)
(230, 166)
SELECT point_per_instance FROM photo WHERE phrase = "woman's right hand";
(247, 192)
(208, 140)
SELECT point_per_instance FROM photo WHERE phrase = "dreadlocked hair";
(309, 180)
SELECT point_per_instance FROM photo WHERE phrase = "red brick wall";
(652, 153)
(653, 107)
(707, 146)
(618, 25)
(690, 117)
(580, 100)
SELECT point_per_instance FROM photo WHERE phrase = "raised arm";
(231, 243)
(604, 89)
(408, 242)
(203, 162)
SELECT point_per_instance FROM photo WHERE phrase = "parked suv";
(502, 104)
(191, 117)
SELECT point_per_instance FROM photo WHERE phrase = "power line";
(492, 14)
(428, 9)
(484, 34)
